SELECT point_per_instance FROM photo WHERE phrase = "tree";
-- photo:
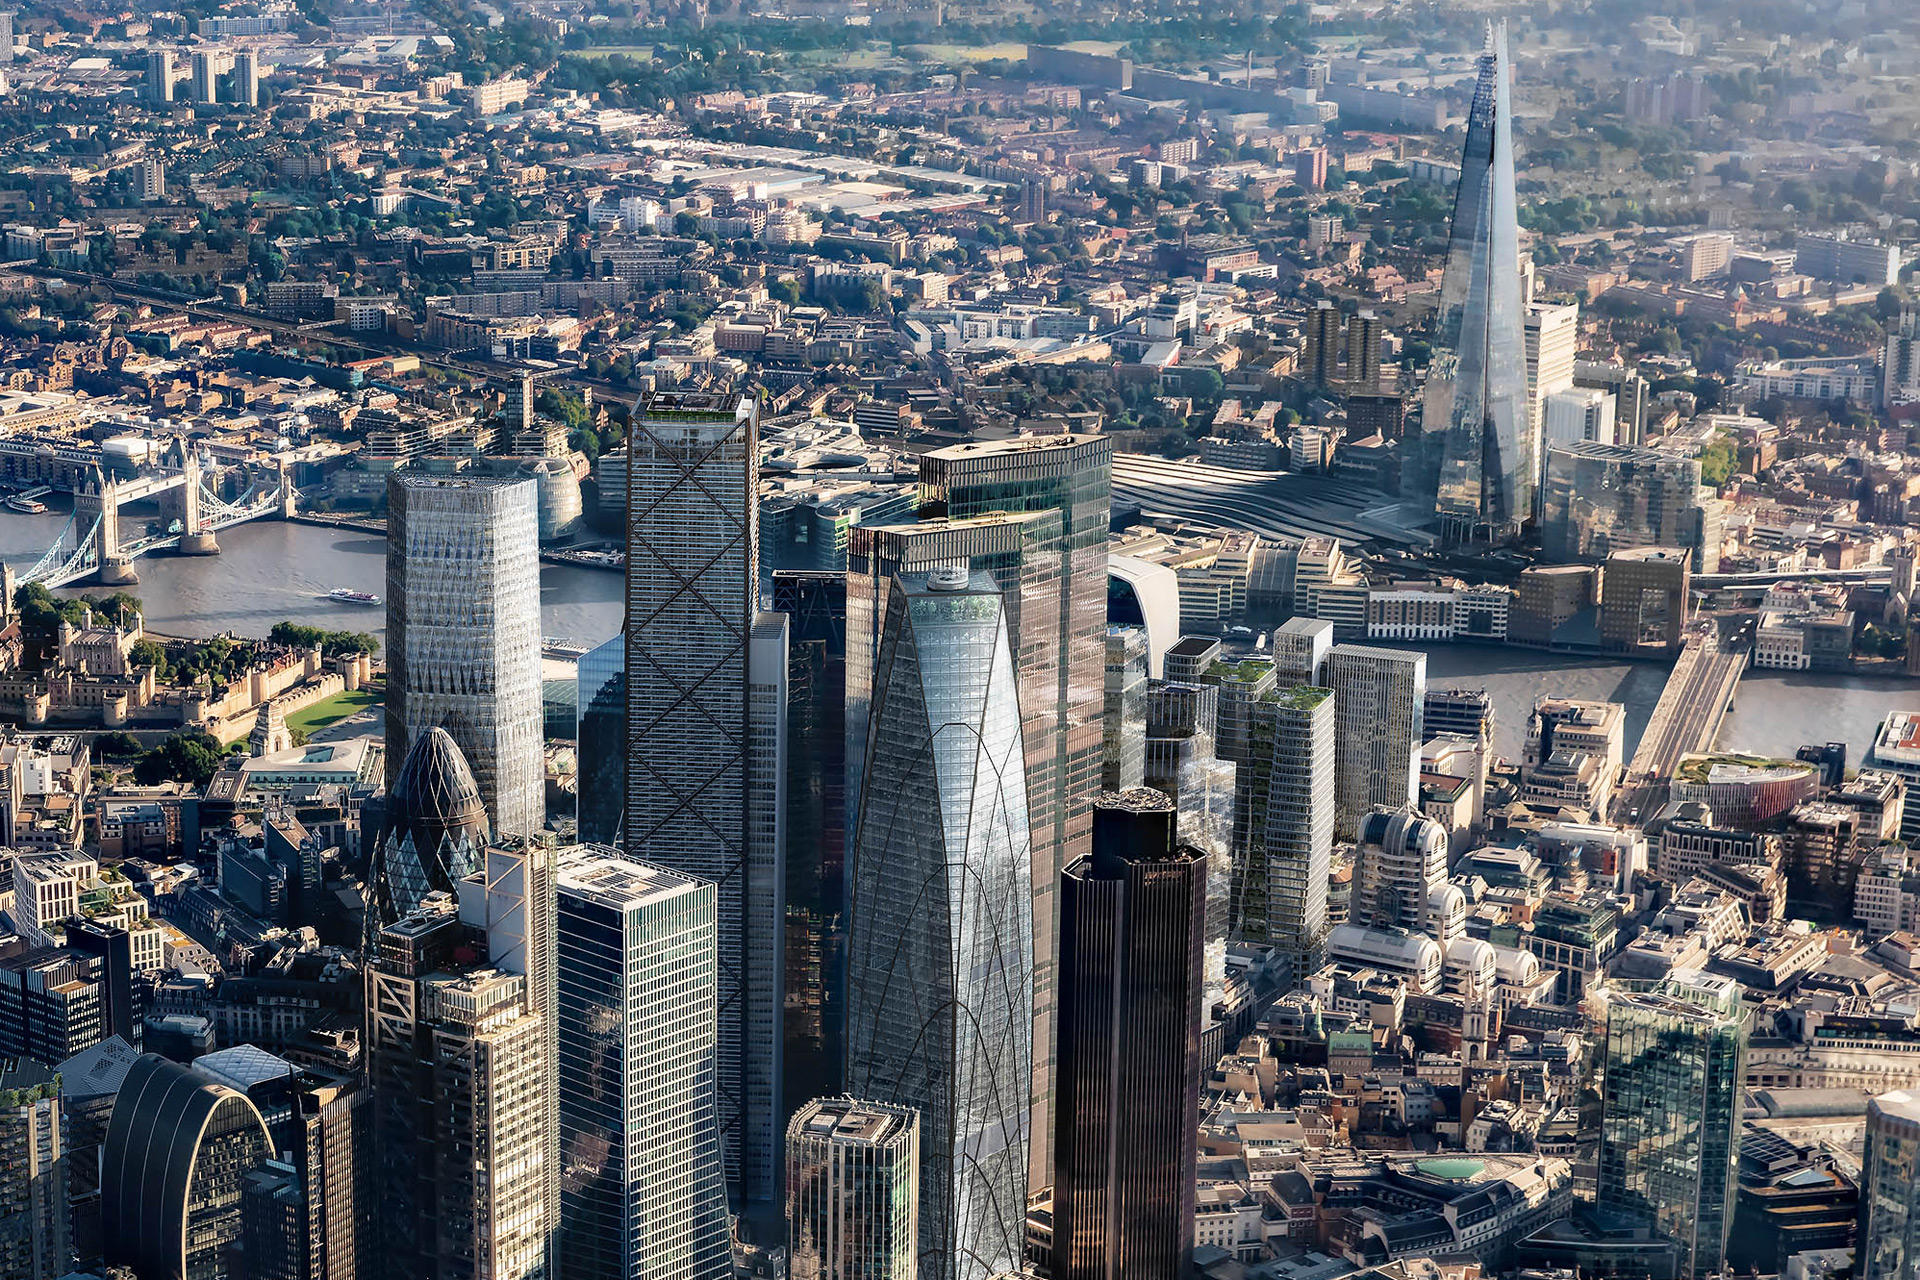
(192, 756)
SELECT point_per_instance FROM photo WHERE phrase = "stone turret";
(270, 732)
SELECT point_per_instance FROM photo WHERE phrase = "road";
(1282, 504)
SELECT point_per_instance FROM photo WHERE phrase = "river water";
(269, 571)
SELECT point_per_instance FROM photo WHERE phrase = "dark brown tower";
(1128, 1113)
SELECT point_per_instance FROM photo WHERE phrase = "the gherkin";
(434, 830)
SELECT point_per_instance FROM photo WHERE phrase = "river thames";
(269, 571)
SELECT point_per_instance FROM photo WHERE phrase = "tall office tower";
(1553, 340)
(1242, 685)
(1124, 758)
(431, 831)
(644, 1190)
(692, 597)
(1603, 498)
(1403, 859)
(206, 71)
(1181, 764)
(178, 1150)
(1467, 712)
(1059, 631)
(940, 971)
(1323, 343)
(814, 1038)
(463, 634)
(160, 75)
(458, 1058)
(246, 78)
(1300, 648)
(1380, 700)
(761, 1046)
(853, 1191)
(1630, 395)
(602, 738)
(1888, 1243)
(34, 1240)
(1364, 332)
(1132, 927)
(1477, 462)
(521, 394)
(1286, 824)
(1670, 1118)
(334, 1154)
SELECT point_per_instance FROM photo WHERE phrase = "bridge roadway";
(1687, 719)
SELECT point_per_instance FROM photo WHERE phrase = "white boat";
(347, 595)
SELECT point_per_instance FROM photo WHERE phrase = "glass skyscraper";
(602, 741)
(463, 634)
(692, 597)
(853, 1191)
(1670, 1119)
(1603, 498)
(1888, 1246)
(1287, 800)
(941, 943)
(1477, 462)
(1379, 702)
(642, 1187)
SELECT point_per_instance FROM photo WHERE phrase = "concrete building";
(1402, 862)
(160, 76)
(463, 634)
(246, 78)
(1644, 600)
(206, 75)
(1843, 260)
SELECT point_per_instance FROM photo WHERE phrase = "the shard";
(1476, 455)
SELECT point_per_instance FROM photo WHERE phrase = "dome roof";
(435, 826)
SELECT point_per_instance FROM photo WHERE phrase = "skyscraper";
(1181, 763)
(1403, 859)
(431, 830)
(762, 1042)
(1889, 1241)
(816, 856)
(463, 634)
(1478, 462)
(1132, 923)
(34, 1239)
(1379, 698)
(1287, 808)
(1553, 340)
(853, 1193)
(1059, 631)
(160, 75)
(692, 597)
(458, 1058)
(1603, 498)
(1323, 343)
(602, 739)
(1123, 762)
(246, 78)
(1670, 1118)
(206, 72)
(643, 1190)
(941, 944)
(178, 1149)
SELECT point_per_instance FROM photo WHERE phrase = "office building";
(1578, 414)
(853, 1194)
(1643, 599)
(644, 1187)
(53, 1004)
(1180, 763)
(1477, 460)
(1630, 391)
(814, 1034)
(1466, 712)
(431, 831)
(941, 940)
(1300, 649)
(1379, 699)
(692, 600)
(1058, 629)
(762, 1023)
(246, 78)
(1124, 758)
(1553, 339)
(206, 73)
(178, 1151)
(1670, 1116)
(1603, 498)
(459, 1060)
(1287, 800)
(160, 75)
(463, 634)
(1190, 658)
(602, 737)
(34, 1227)
(1132, 924)
(1888, 1244)
(1402, 859)
(517, 416)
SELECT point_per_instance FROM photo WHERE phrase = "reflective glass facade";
(1180, 762)
(941, 943)
(1380, 701)
(463, 634)
(1478, 461)
(1670, 1121)
(853, 1191)
(1280, 888)
(602, 735)
(1889, 1242)
(1124, 758)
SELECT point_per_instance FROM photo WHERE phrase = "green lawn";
(638, 52)
(328, 710)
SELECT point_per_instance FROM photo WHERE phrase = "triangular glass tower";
(1476, 452)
